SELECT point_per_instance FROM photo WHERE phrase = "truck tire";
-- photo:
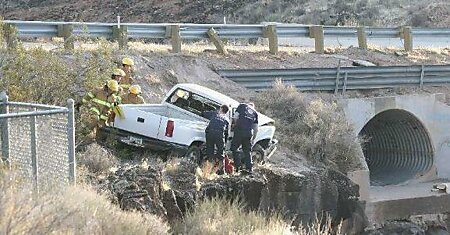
(258, 154)
(194, 154)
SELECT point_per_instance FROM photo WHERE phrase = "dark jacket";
(246, 118)
(218, 122)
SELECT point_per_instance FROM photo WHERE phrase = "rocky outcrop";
(137, 188)
(301, 196)
(408, 228)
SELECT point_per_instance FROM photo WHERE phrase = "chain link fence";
(38, 141)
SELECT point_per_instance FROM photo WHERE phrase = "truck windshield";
(192, 102)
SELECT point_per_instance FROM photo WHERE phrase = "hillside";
(333, 12)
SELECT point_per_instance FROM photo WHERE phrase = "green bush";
(313, 126)
(96, 66)
(37, 75)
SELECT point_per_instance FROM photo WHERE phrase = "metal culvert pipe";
(397, 148)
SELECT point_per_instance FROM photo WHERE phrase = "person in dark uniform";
(216, 132)
(245, 130)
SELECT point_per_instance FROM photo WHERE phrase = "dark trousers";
(214, 139)
(242, 138)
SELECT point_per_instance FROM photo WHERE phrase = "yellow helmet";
(128, 61)
(119, 72)
(113, 85)
(135, 89)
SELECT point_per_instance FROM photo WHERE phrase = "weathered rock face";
(304, 195)
(248, 189)
(299, 195)
(408, 228)
(138, 188)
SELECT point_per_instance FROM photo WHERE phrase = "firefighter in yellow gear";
(133, 96)
(100, 104)
(127, 67)
(118, 75)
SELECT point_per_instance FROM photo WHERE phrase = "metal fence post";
(175, 38)
(317, 33)
(362, 37)
(5, 128)
(34, 155)
(71, 141)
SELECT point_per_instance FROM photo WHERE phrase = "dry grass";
(313, 126)
(218, 216)
(96, 159)
(72, 210)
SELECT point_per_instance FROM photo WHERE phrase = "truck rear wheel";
(194, 154)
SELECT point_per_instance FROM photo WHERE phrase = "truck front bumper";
(270, 150)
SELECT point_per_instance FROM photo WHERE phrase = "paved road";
(422, 42)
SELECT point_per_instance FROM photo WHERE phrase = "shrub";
(36, 75)
(312, 126)
(72, 210)
(218, 216)
(97, 65)
(96, 159)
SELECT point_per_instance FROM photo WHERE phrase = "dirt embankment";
(158, 72)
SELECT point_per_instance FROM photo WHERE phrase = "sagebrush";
(218, 216)
(312, 126)
(96, 159)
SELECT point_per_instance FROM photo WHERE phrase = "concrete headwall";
(428, 112)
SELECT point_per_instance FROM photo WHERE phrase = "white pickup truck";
(177, 123)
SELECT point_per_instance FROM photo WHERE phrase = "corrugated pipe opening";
(397, 148)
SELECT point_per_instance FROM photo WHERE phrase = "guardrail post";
(270, 32)
(34, 156)
(338, 74)
(65, 31)
(175, 38)
(362, 37)
(422, 76)
(121, 36)
(71, 141)
(406, 35)
(214, 38)
(316, 32)
(10, 36)
(5, 128)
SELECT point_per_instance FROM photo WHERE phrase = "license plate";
(135, 140)
(132, 140)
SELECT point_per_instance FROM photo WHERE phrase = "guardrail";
(214, 32)
(341, 78)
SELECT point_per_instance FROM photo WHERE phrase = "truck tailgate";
(141, 122)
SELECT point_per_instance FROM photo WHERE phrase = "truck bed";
(166, 111)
